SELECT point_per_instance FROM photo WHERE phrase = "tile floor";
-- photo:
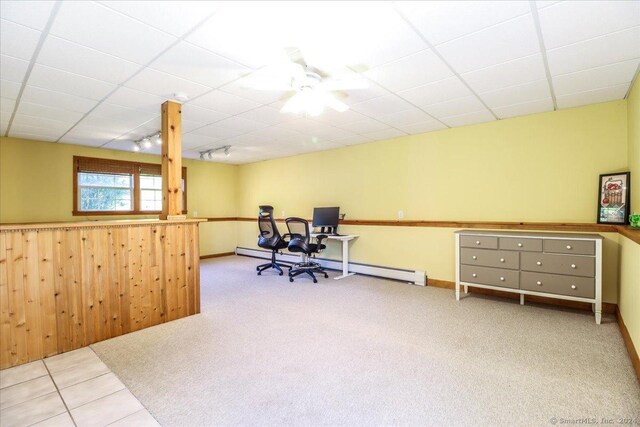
(70, 389)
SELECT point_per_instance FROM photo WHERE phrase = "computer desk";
(345, 239)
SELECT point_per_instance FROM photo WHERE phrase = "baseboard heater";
(411, 276)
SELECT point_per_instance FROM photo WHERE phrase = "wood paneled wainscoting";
(67, 285)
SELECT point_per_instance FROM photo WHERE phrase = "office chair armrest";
(320, 238)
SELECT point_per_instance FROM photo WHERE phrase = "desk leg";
(345, 261)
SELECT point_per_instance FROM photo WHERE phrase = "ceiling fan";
(312, 88)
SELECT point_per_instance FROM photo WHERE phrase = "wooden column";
(171, 161)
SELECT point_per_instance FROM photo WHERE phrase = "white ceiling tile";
(334, 118)
(202, 115)
(364, 125)
(267, 115)
(164, 85)
(7, 105)
(569, 22)
(381, 106)
(217, 131)
(595, 78)
(517, 94)
(615, 47)
(468, 104)
(73, 84)
(422, 127)
(281, 134)
(245, 86)
(107, 125)
(519, 71)
(72, 57)
(441, 21)
(32, 14)
(193, 63)
(359, 95)
(122, 114)
(593, 96)
(173, 17)
(190, 125)
(123, 144)
(434, 93)
(357, 139)
(531, 107)
(13, 69)
(51, 98)
(41, 122)
(75, 137)
(224, 102)
(17, 40)
(152, 126)
(4, 124)
(406, 117)
(545, 3)
(191, 141)
(35, 135)
(411, 71)
(98, 27)
(36, 110)
(469, 118)
(135, 99)
(240, 124)
(510, 40)
(385, 134)
(9, 89)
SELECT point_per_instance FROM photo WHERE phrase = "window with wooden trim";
(118, 187)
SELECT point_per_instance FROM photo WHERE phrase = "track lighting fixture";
(147, 142)
(210, 154)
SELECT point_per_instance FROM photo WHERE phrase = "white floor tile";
(107, 409)
(32, 411)
(62, 420)
(22, 373)
(81, 372)
(93, 389)
(70, 359)
(25, 391)
(139, 419)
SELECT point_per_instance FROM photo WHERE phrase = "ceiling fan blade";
(295, 55)
(344, 84)
(293, 104)
(331, 102)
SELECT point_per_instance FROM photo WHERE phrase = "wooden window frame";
(135, 174)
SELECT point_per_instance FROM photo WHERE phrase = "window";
(115, 187)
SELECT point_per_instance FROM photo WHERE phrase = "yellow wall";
(36, 185)
(633, 120)
(542, 167)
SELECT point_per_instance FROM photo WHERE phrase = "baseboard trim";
(607, 308)
(633, 354)
(217, 255)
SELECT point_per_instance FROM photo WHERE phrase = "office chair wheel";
(315, 280)
(326, 276)
(291, 279)
(280, 274)
(257, 268)
(259, 273)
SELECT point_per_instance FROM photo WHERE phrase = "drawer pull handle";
(477, 242)
(539, 283)
(474, 275)
(573, 286)
(519, 245)
(502, 279)
(539, 263)
(573, 266)
(569, 247)
(474, 257)
(501, 259)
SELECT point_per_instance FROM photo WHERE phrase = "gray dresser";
(554, 265)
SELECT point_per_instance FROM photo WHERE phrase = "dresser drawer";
(487, 242)
(490, 258)
(490, 276)
(559, 264)
(578, 247)
(519, 244)
(582, 287)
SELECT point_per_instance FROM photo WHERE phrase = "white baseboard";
(411, 276)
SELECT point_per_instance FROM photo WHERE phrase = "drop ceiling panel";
(37, 110)
(9, 89)
(469, 118)
(136, 99)
(69, 83)
(103, 29)
(422, 127)
(245, 87)
(32, 14)
(517, 94)
(13, 69)
(381, 106)
(364, 125)
(55, 99)
(511, 73)
(615, 47)
(195, 64)
(267, 115)
(164, 85)
(333, 118)
(7, 105)
(608, 75)
(569, 22)
(592, 97)
(94, 135)
(504, 42)
(437, 92)
(192, 141)
(455, 107)
(39, 122)
(441, 21)
(122, 114)
(96, 139)
(35, 134)
(17, 40)
(216, 131)
(385, 134)
(406, 117)
(358, 139)
(224, 102)
(202, 115)
(532, 107)
(411, 71)
(173, 17)
(75, 58)
(240, 125)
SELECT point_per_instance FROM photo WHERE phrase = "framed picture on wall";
(613, 198)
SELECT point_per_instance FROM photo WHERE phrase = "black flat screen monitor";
(326, 217)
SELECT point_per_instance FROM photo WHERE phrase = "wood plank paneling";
(65, 288)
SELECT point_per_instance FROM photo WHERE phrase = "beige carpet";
(365, 351)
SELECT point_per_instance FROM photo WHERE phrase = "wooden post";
(171, 161)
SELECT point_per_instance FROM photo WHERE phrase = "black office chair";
(300, 241)
(269, 238)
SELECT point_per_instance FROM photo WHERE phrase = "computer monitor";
(326, 217)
